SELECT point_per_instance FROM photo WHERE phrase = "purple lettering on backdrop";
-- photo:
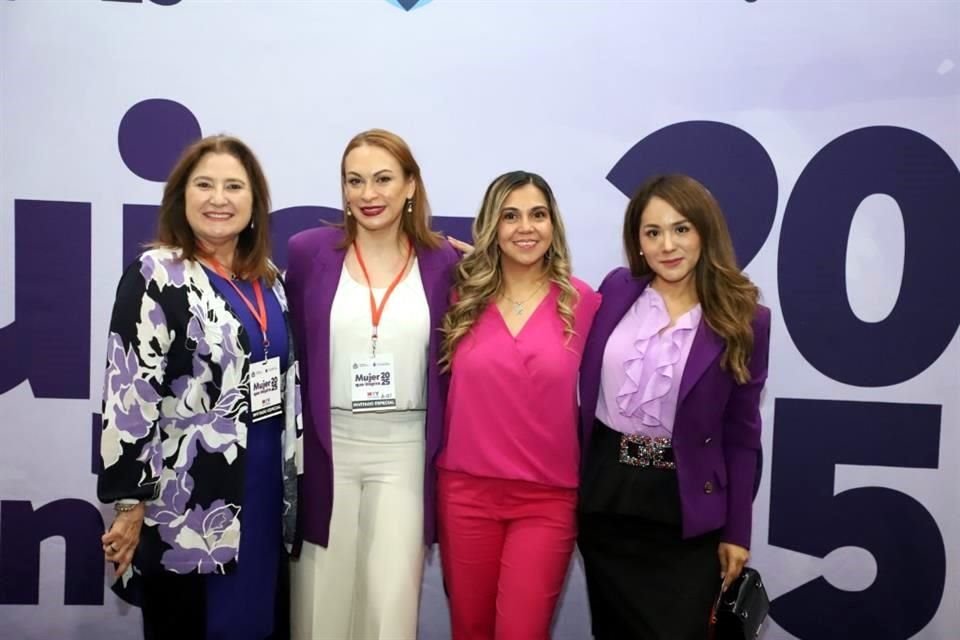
(730, 162)
(808, 516)
(22, 529)
(812, 437)
(139, 228)
(48, 343)
(917, 173)
(458, 227)
(152, 135)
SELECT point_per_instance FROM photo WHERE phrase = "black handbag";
(739, 611)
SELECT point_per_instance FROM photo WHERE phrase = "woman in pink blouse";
(670, 415)
(509, 473)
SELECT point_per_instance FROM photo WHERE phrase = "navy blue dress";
(242, 605)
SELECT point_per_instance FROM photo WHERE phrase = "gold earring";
(409, 206)
(348, 212)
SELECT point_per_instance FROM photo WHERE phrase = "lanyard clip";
(373, 341)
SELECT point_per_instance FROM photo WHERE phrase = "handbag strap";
(712, 627)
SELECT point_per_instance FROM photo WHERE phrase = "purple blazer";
(716, 433)
(315, 264)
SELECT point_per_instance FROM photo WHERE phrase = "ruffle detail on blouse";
(640, 396)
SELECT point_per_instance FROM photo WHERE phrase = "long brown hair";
(727, 297)
(415, 225)
(252, 259)
(479, 276)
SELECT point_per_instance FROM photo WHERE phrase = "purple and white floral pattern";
(175, 390)
(130, 400)
(202, 540)
(164, 268)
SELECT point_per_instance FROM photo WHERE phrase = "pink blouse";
(512, 406)
(642, 366)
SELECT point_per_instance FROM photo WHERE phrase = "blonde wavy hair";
(728, 298)
(479, 277)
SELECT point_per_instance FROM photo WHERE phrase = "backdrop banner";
(827, 131)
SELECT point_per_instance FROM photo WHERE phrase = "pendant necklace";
(518, 305)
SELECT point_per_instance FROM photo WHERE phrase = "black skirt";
(644, 581)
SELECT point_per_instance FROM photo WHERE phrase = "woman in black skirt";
(670, 388)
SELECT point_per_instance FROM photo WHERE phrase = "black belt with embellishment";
(639, 450)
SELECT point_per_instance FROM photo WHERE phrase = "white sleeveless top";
(404, 332)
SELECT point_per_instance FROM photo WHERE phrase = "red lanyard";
(376, 312)
(260, 313)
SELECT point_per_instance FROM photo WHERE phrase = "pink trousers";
(505, 546)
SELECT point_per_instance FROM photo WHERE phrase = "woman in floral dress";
(201, 415)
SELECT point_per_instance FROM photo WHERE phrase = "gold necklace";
(518, 306)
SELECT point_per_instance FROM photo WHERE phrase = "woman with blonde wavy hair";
(670, 418)
(508, 476)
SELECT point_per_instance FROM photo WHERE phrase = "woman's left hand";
(732, 559)
(460, 245)
(120, 542)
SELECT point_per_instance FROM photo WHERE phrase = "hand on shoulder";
(461, 246)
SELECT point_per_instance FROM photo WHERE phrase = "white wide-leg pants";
(365, 585)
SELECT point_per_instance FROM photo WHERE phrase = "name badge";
(265, 401)
(373, 385)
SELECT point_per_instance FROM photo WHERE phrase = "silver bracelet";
(123, 507)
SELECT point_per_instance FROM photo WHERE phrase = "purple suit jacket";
(315, 264)
(716, 433)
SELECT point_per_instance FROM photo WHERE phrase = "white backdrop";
(566, 89)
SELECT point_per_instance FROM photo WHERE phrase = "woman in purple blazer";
(670, 388)
(366, 301)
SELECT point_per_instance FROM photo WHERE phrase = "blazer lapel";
(707, 347)
(319, 290)
(431, 263)
(618, 295)
(625, 294)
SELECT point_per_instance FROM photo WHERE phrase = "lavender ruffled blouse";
(642, 365)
